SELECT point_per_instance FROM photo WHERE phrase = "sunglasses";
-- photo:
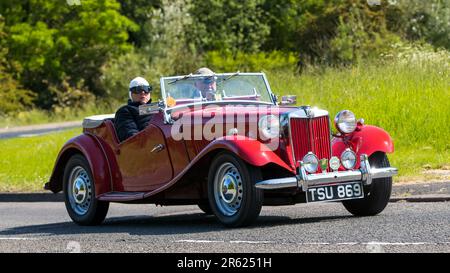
(142, 88)
(209, 80)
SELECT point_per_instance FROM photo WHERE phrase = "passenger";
(206, 85)
(127, 121)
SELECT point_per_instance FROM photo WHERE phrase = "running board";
(121, 196)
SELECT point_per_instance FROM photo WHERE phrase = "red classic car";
(230, 153)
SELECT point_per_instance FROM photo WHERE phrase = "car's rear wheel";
(377, 195)
(232, 195)
(79, 193)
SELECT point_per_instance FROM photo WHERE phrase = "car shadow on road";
(161, 225)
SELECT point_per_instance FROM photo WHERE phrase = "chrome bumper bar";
(303, 180)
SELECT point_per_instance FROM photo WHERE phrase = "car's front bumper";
(303, 180)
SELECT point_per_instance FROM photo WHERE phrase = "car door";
(144, 160)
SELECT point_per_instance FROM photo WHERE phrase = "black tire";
(205, 207)
(248, 199)
(91, 211)
(377, 195)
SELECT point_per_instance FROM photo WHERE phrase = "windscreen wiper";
(182, 79)
(231, 76)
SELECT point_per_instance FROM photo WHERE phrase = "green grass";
(26, 163)
(411, 102)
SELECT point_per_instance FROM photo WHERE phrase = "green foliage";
(229, 25)
(388, 94)
(283, 18)
(384, 95)
(117, 74)
(166, 51)
(12, 96)
(416, 54)
(67, 54)
(140, 12)
(421, 20)
(360, 34)
(249, 62)
(341, 32)
(170, 51)
(50, 42)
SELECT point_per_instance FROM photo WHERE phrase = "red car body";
(153, 167)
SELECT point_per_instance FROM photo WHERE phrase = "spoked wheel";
(79, 193)
(377, 195)
(232, 195)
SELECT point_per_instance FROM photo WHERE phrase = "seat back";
(111, 130)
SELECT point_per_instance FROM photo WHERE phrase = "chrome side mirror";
(289, 100)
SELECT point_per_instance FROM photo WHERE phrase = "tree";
(283, 17)
(52, 44)
(166, 50)
(140, 12)
(12, 96)
(421, 20)
(229, 25)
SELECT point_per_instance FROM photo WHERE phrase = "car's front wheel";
(377, 195)
(79, 193)
(232, 195)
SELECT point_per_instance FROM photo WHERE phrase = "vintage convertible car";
(230, 155)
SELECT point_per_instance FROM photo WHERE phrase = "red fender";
(90, 148)
(250, 150)
(367, 140)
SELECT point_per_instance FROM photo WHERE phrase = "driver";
(128, 122)
(206, 85)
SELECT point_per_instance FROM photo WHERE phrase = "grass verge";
(410, 101)
(26, 163)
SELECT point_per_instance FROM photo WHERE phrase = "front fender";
(91, 149)
(250, 150)
(368, 140)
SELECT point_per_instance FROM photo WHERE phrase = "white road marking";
(198, 241)
(252, 242)
(400, 244)
(17, 239)
(231, 242)
(315, 243)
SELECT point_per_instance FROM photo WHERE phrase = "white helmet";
(138, 81)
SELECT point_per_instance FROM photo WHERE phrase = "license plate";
(345, 191)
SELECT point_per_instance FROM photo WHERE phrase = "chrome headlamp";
(345, 122)
(310, 162)
(348, 159)
(269, 126)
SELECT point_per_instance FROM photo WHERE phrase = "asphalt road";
(37, 130)
(402, 227)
